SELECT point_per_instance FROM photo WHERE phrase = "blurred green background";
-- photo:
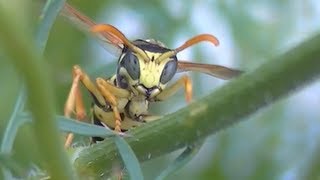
(273, 144)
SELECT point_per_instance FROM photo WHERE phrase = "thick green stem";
(28, 63)
(224, 107)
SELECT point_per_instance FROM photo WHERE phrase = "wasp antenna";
(114, 31)
(111, 30)
(197, 39)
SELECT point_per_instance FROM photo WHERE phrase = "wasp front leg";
(185, 82)
(111, 93)
(74, 103)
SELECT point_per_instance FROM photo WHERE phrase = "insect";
(144, 70)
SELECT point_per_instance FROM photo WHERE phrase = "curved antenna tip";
(197, 39)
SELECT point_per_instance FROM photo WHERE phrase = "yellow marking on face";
(150, 71)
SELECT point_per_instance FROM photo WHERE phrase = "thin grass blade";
(46, 20)
(129, 158)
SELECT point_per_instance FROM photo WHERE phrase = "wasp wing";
(110, 42)
(210, 69)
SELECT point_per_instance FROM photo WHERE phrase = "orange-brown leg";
(111, 98)
(185, 82)
(74, 101)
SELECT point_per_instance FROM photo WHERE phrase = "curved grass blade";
(13, 124)
(82, 128)
(74, 126)
(47, 18)
(181, 160)
(129, 158)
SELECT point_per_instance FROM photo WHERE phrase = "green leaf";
(74, 126)
(129, 158)
(14, 124)
(82, 128)
(46, 19)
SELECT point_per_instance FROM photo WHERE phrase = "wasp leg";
(116, 91)
(74, 101)
(171, 90)
(111, 93)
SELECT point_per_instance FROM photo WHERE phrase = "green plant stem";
(46, 21)
(40, 96)
(226, 106)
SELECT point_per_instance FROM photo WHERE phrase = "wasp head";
(148, 73)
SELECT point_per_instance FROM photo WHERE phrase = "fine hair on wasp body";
(144, 70)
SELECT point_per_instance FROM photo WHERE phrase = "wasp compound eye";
(168, 71)
(131, 63)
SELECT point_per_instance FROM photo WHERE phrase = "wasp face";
(147, 76)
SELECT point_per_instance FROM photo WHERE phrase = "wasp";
(144, 74)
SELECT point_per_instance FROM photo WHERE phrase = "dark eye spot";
(168, 71)
(131, 64)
